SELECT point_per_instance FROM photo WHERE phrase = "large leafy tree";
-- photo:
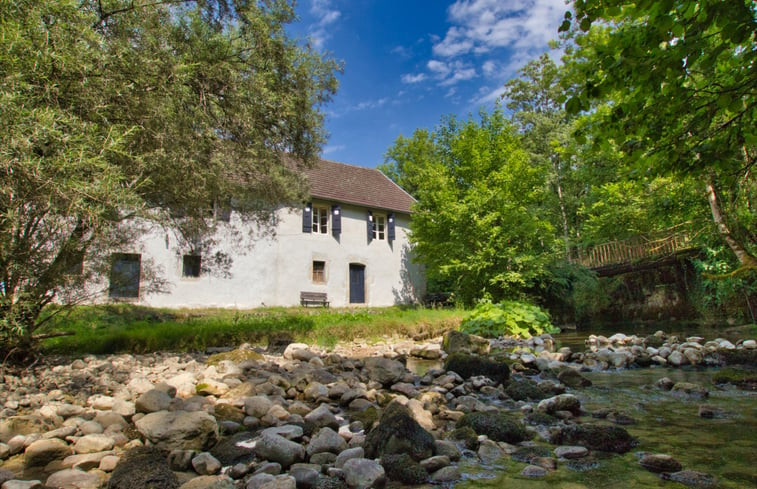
(119, 113)
(536, 98)
(680, 77)
(479, 223)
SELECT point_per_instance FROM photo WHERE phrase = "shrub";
(509, 318)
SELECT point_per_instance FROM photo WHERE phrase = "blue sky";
(408, 63)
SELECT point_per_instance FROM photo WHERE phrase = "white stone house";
(349, 242)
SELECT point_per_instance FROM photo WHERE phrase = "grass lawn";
(136, 329)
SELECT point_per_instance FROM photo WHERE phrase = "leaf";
(573, 105)
(585, 24)
(564, 27)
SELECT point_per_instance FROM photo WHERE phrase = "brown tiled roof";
(350, 184)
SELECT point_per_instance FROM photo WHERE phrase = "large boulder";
(525, 390)
(41, 452)
(234, 449)
(326, 440)
(562, 402)
(401, 468)
(657, 462)
(457, 342)
(572, 378)
(385, 371)
(497, 425)
(363, 473)
(276, 448)
(398, 432)
(468, 366)
(607, 438)
(143, 468)
(184, 430)
(74, 479)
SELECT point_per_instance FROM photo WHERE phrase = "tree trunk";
(745, 259)
(563, 212)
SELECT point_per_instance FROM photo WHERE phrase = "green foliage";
(677, 80)
(720, 292)
(478, 224)
(118, 113)
(509, 318)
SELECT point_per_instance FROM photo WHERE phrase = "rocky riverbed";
(353, 416)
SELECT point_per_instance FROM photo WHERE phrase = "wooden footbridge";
(634, 254)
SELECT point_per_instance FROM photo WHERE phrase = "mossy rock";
(401, 467)
(368, 417)
(607, 438)
(143, 468)
(539, 418)
(529, 454)
(742, 378)
(525, 390)
(739, 357)
(497, 425)
(467, 435)
(397, 432)
(572, 378)
(471, 365)
(653, 341)
(227, 412)
(228, 453)
(237, 356)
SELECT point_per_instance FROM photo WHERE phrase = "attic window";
(320, 220)
(379, 227)
(191, 266)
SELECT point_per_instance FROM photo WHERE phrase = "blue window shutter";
(370, 223)
(307, 218)
(336, 220)
(390, 231)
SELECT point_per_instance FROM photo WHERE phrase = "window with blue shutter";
(336, 220)
(307, 218)
(390, 227)
(369, 223)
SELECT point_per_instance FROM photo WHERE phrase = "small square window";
(124, 275)
(320, 220)
(319, 272)
(191, 266)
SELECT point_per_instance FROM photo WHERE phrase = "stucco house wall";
(272, 269)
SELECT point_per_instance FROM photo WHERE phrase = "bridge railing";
(630, 250)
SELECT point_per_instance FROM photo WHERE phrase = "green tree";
(479, 223)
(536, 98)
(120, 113)
(680, 78)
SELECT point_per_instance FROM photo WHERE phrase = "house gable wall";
(273, 270)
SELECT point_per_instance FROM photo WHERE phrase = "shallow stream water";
(725, 446)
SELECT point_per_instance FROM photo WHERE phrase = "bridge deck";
(621, 254)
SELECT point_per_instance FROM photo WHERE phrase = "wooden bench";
(314, 298)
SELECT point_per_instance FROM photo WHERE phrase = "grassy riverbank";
(136, 329)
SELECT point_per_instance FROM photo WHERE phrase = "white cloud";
(413, 78)
(449, 73)
(333, 149)
(402, 52)
(480, 26)
(489, 67)
(371, 104)
(325, 16)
